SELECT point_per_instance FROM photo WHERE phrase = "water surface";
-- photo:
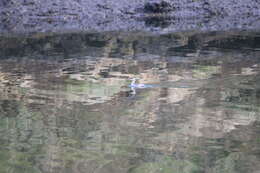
(66, 105)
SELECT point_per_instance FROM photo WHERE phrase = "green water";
(66, 105)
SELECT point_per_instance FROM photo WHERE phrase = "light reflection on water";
(66, 104)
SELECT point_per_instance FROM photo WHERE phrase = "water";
(66, 105)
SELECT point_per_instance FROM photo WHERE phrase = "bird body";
(135, 85)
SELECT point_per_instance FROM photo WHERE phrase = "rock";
(157, 21)
(155, 7)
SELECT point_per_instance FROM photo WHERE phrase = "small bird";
(135, 85)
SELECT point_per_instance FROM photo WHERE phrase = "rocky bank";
(26, 16)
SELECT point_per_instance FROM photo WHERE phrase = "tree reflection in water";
(66, 104)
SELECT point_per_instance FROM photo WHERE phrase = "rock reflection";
(66, 104)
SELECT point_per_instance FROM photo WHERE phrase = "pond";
(67, 104)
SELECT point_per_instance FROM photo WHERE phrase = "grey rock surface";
(26, 16)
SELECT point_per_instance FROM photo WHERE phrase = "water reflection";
(66, 104)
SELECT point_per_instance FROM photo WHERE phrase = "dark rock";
(157, 21)
(155, 7)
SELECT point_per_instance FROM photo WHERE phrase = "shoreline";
(40, 16)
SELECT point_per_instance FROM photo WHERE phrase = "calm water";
(66, 105)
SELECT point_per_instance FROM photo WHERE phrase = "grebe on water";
(134, 85)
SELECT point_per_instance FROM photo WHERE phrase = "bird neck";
(133, 81)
